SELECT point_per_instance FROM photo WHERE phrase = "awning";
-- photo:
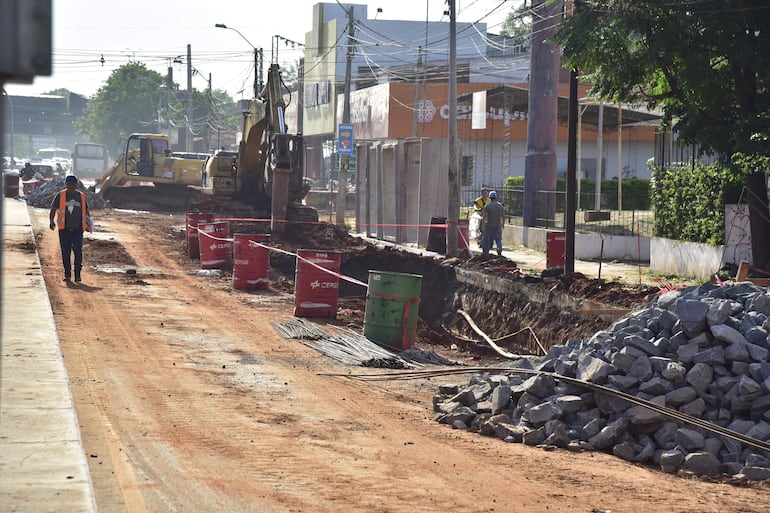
(514, 98)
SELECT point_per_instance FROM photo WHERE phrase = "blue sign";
(345, 139)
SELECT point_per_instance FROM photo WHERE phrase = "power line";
(369, 41)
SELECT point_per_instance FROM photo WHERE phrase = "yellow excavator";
(265, 173)
(148, 176)
(267, 169)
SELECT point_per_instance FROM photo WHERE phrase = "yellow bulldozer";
(266, 173)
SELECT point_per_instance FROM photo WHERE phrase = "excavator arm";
(268, 171)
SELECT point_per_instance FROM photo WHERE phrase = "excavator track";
(166, 198)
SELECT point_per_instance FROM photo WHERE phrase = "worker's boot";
(67, 275)
(77, 276)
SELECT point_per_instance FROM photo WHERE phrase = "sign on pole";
(345, 139)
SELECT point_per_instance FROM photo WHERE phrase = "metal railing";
(610, 222)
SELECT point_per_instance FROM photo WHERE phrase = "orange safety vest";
(61, 211)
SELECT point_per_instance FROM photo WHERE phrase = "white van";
(54, 156)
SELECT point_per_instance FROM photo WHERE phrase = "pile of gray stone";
(42, 196)
(702, 350)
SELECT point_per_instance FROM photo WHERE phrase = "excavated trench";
(523, 313)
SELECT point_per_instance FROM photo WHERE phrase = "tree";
(220, 112)
(705, 64)
(136, 99)
(518, 24)
(127, 103)
(289, 76)
(61, 91)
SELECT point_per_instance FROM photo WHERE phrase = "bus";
(90, 160)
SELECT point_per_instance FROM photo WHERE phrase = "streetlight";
(257, 59)
(131, 54)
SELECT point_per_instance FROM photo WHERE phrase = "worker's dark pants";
(492, 235)
(71, 241)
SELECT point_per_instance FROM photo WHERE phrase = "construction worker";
(69, 213)
(478, 204)
(27, 172)
(492, 222)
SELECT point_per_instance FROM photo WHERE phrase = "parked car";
(45, 170)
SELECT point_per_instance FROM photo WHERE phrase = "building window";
(318, 93)
(466, 170)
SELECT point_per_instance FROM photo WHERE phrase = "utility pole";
(301, 96)
(342, 179)
(599, 155)
(189, 137)
(258, 59)
(571, 207)
(425, 65)
(540, 161)
(453, 213)
(257, 74)
(573, 129)
(417, 92)
(260, 71)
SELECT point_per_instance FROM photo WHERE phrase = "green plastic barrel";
(392, 304)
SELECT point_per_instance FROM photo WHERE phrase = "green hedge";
(636, 194)
(689, 203)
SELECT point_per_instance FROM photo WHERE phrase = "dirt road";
(189, 401)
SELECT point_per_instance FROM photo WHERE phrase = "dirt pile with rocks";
(44, 195)
(702, 351)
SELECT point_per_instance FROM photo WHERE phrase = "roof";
(516, 98)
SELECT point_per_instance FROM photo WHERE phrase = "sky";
(157, 32)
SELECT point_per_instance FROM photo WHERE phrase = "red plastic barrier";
(251, 263)
(316, 291)
(193, 218)
(215, 252)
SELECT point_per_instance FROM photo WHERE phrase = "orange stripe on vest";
(61, 211)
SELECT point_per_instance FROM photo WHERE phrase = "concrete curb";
(43, 466)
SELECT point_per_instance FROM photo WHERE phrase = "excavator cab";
(143, 152)
(148, 176)
(146, 162)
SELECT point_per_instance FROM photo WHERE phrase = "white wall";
(684, 258)
(434, 183)
(407, 185)
(588, 246)
(737, 234)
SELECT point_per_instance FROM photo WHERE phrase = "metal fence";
(624, 222)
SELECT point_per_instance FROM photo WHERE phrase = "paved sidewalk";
(531, 260)
(43, 466)
(631, 274)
